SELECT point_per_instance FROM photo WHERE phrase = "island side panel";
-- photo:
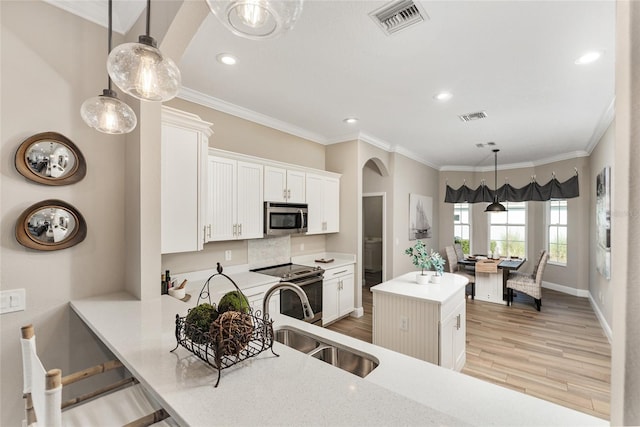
(406, 325)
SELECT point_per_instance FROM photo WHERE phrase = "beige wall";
(600, 288)
(411, 176)
(51, 62)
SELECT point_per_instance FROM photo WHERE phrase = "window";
(557, 231)
(462, 226)
(509, 230)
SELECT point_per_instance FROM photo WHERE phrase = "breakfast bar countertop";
(295, 388)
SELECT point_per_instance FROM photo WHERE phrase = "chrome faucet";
(306, 306)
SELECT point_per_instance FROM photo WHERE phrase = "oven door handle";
(301, 218)
(308, 281)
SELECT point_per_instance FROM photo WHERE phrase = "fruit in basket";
(233, 301)
(200, 318)
(231, 332)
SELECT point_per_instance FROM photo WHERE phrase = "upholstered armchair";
(530, 284)
(454, 267)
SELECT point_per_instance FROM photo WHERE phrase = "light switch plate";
(12, 300)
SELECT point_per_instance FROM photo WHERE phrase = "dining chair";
(124, 403)
(528, 283)
(471, 269)
(454, 267)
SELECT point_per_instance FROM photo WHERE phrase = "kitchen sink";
(297, 340)
(347, 359)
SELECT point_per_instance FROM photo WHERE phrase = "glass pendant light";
(106, 113)
(496, 206)
(142, 71)
(257, 19)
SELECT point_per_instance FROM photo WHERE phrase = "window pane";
(517, 233)
(517, 216)
(498, 217)
(553, 235)
(464, 216)
(562, 235)
(554, 214)
(563, 214)
(498, 232)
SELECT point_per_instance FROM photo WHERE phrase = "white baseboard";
(603, 322)
(358, 312)
(583, 293)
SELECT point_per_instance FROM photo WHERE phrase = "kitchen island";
(296, 389)
(424, 321)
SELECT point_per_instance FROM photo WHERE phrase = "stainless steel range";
(308, 278)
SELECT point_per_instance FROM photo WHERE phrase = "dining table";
(491, 276)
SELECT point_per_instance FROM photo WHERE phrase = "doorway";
(373, 237)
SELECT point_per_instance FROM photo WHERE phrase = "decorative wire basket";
(242, 337)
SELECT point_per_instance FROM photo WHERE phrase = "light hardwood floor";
(559, 354)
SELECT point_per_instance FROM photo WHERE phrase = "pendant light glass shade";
(142, 71)
(106, 113)
(257, 19)
(496, 206)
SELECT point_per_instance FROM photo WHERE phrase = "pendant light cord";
(148, 17)
(109, 38)
(495, 175)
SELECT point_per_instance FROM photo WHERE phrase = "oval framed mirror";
(50, 158)
(50, 225)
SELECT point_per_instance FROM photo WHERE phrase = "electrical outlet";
(13, 300)
(404, 323)
(227, 255)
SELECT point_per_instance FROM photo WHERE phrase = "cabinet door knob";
(284, 193)
(209, 230)
(239, 229)
(289, 194)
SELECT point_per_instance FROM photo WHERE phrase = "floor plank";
(559, 354)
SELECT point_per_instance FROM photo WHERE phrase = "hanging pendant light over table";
(496, 206)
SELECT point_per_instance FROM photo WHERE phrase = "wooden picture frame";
(50, 158)
(50, 225)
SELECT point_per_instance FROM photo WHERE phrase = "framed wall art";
(603, 222)
(420, 216)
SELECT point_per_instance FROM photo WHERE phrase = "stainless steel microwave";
(285, 218)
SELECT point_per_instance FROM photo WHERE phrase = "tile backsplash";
(269, 251)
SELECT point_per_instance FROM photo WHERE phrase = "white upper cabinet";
(284, 185)
(323, 198)
(235, 200)
(184, 142)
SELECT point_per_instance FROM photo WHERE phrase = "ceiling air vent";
(473, 116)
(398, 15)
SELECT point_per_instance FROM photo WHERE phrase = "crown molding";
(603, 124)
(244, 113)
(253, 116)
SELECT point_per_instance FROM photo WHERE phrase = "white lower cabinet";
(337, 293)
(425, 329)
(453, 336)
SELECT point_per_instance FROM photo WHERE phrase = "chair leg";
(473, 291)
(538, 303)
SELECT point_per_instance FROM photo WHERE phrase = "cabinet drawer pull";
(239, 229)
(339, 272)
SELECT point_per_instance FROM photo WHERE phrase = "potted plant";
(492, 248)
(437, 262)
(421, 259)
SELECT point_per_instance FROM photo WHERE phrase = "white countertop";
(296, 389)
(339, 260)
(406, 286)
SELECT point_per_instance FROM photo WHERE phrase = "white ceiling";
(512, 59)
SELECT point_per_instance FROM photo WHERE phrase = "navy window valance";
(507, 193)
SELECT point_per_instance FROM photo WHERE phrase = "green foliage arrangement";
(424, 259)
(233, 301)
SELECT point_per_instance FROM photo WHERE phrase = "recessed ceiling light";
(589, 57)
(351, 120)
(227, 59)
(442, 96)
